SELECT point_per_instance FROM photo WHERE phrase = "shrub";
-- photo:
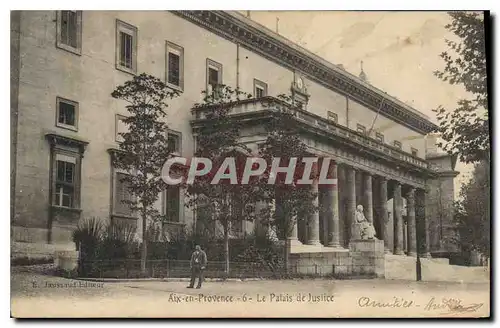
(87, 237)
(118, 242)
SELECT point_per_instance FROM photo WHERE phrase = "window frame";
(414, 151)
(218, 67)
(179, 138)
(165, 210)
(132, 30)
(361, 127)
(57, 155)
(60, 43)
(330, 114)
(59, 201)
(75, 104)
(116, 201)
(171, 47)
(397, 144)
(118, 118)
(379, 137)
(258, 84)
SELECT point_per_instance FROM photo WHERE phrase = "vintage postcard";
(245, 164)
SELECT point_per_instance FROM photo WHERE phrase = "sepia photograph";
(250, 164)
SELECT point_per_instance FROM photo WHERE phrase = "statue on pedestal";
(362, 228)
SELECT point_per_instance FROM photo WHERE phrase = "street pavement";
(35, 294)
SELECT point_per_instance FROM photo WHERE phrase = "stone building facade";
(65, 124)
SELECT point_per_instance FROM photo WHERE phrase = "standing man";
(198, 264)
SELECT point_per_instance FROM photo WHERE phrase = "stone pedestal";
(327, 262)
(66, 260)
(368, 258)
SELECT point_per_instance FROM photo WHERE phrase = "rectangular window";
(172, 201)
(174, 142)
(65, 181)
(122, 195)
(398, 144)
(175, 66)
(331, 116)
(126, 43)
(414, 151)
(214, 76)
(361, 129)
(120, 127)
(259, 89)
(379, 136)
(66, 114)
(69, 30)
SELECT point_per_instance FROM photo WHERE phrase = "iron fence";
(121, 269)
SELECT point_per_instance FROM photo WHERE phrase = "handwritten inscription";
(451, 305)
(396, 302)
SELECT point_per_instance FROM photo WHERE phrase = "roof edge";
(237, 28)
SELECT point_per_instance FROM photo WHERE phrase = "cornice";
(56, 139)
(230, 27)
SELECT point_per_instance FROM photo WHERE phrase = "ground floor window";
(172, 203)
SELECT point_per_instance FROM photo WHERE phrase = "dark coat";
(199, 259)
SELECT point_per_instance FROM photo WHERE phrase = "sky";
(399, 52)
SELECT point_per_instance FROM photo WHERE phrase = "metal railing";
(124, 269)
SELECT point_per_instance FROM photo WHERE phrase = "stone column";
(368, 203)
(351, 198)
(387, 225)
(333, 224)
(412, 224)
(421, 200)
(398, 220)
(313, 235)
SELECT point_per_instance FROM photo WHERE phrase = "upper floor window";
(120, 127)
(175, 66)
(69, 30)
(331, 116)
(174, 142)
(67, 114)
(214, 75)
(379, 137)
(361, 129)
(259, 89)
(414, 151)
(398, 144)
(126, 44)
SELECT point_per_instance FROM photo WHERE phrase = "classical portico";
(388, 182)
(375, 210)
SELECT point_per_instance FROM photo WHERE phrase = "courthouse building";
(65, 125)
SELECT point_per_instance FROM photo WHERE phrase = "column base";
(334, 245)
(426, 255)
(313, 243)
(399, 252)
(387, 251)
(294, 242)
(412, 254)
